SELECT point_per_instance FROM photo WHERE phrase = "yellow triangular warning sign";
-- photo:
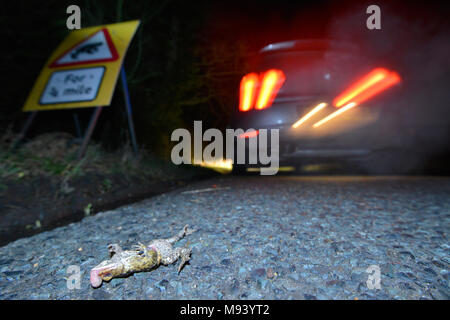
(96, 48)
(83, 70)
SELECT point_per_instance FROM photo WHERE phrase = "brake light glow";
(248, 91)
(272, 81)
(374, 82)
(371, 84)
(309, 114)
(335, 114)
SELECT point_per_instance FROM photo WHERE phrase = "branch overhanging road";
(282, 237)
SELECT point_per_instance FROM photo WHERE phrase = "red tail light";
(248, 88)
(272, 81)
(374, 82)
(250, 134)
(265, 86)
(371, 84)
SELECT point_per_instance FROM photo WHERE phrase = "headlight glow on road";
(222, 166)
(280, 169)
(316, 109)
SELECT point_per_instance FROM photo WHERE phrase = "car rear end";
(291, 88)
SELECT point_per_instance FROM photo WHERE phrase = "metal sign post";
(128, 107)
(77, 124)
(89, 130)
(24, 129)
(96, 114)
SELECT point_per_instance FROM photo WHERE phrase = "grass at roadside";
(53, 155)
(43, 185)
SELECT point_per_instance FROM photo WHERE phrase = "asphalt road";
(283, 237)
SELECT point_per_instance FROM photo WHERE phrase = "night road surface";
(283, 237)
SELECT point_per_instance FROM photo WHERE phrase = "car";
(295, 87)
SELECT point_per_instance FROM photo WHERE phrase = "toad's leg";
(181, 234)
(184, 254)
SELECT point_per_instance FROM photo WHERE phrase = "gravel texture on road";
(282, 237)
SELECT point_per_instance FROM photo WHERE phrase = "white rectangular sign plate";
(74, 85)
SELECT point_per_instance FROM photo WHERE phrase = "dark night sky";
(260, 22)
(413, 34)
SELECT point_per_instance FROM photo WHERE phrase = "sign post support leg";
(128, 107)
(89, 130)
(24, 129)
(77, 125)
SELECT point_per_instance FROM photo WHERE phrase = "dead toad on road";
(142, 258)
